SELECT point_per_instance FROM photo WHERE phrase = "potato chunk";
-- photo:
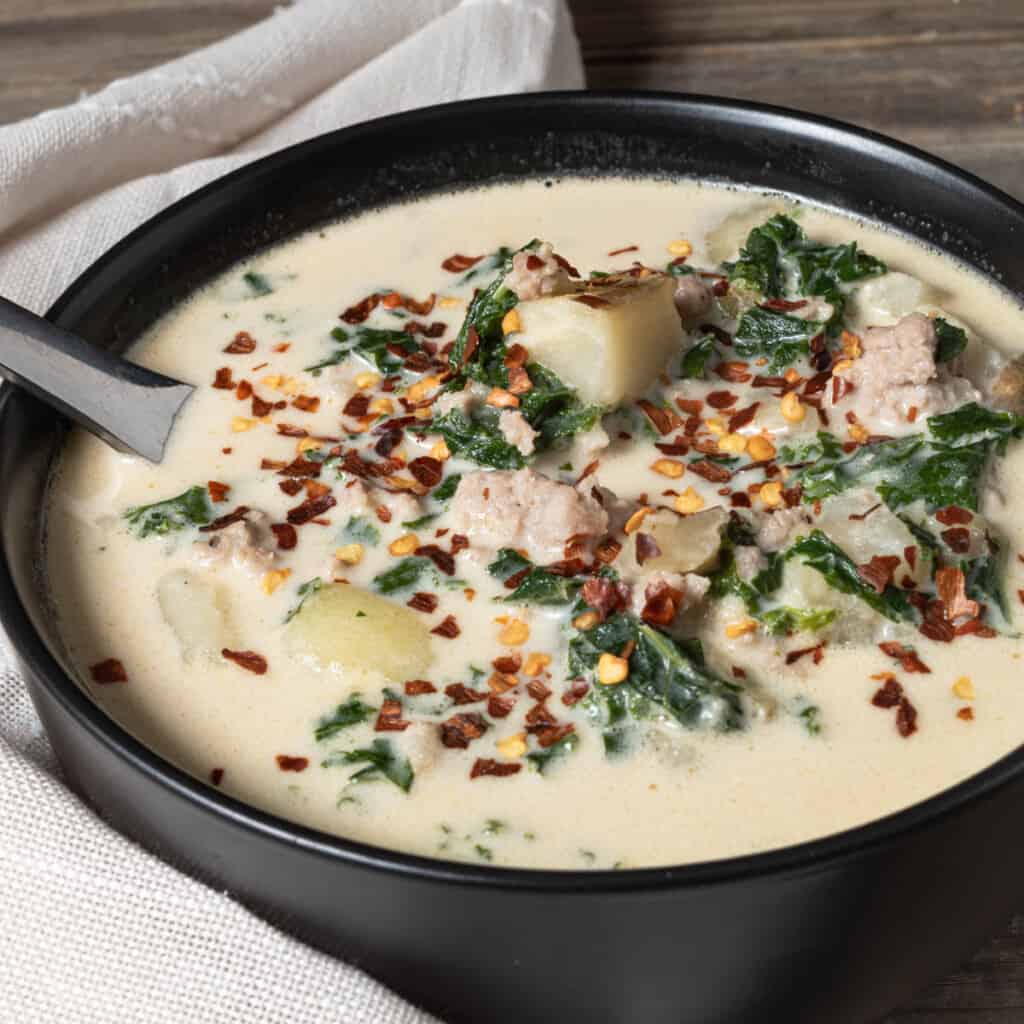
(609, 342)
(686, 543)
(348, 629)
(196, 610)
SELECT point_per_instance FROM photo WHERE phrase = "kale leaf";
(477, 439)
(359, 530)
(780, 338)
(543, 758)
(381, 759)
(446, 489)
(661, 670)
(538, 586)
(784, 620)
(950, 341)
(258, 283)
(840, 572)
(352, 712)
(372, 344)
(826, 446)
(972, 424)
(190, 508)
(307, 590)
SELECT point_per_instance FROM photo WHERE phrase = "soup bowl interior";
(844, 926)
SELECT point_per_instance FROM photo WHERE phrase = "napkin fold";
(95, 930)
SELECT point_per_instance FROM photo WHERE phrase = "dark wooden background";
(946, 75)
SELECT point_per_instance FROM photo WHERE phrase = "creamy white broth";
(685, 796)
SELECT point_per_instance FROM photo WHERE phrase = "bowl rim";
(808, 857)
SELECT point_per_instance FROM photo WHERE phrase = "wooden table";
(946, 75)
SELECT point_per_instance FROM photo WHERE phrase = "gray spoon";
(131, 408)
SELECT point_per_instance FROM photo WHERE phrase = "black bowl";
(840, 929)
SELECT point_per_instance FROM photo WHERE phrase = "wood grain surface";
(946, 75)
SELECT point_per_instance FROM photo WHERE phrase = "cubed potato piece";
(610, 342)
(351, 630)
(196, 611)
(687, 543)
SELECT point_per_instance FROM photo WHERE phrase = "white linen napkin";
(93, 929)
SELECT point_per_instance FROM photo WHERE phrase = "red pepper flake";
(957, 538)
(938, 630)
(817, 383)
(421, 601)
(441, 558)
(745, 416)
(537, 690)
(889, 695)
(691, 406)
(508, 664)
(287, 763)
(976, 628)
(817, 652)
(109, 671)
(216, 776)
(432, 330)
(720, 288)
(500, 707)
(426, 470)
(460, 730)
(953, 515)
(516, 356)
(721, 399)
(361, 310)
(783, 305)
(734, 372)
(287, 536)
(261, 407)
(879, 571)
(605, 596)
(249, 660)
(310, 509)
(607, 550)
(951, 585)
(243, 391)
(459, 541)
(578, 689)
(457, 263)
(218, 491)
(906, 656)
(288, 430)
(593, 301)
(472, 344)
(223, 380)
(540, 715)
(966, 714)
(462, 694)
(225, 521)
(488, 766)
(242, 344)
(841, 387)
(548, 735)
(646, 547)
(357, 406)
(389, 718)
(739, 500)
(661, 604)
(418, 687)
(283, 346)
(711, 471)
(383, 513)
(448, 627)
(316, 490)
(290, 487)
(307, 403)
(672, 449)
(301, 467)
(906, 719)
(565, 265)
(626, 248)
(664, 420)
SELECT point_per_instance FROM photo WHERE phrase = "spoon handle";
(128, 406)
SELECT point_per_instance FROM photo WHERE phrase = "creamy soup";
(586, 524)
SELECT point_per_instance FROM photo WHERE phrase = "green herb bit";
(416, 524)
(811, 718)
(381, 759)
(446, 489)
(402, 576)
(950, 341)
(494, 827)
(785, 620)
(258, 284)
(352, 712)
(545, 757)
(307, 590)
(477, 440)
(484, 852)
(360, 530)
(190, 508)
(697, 357)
